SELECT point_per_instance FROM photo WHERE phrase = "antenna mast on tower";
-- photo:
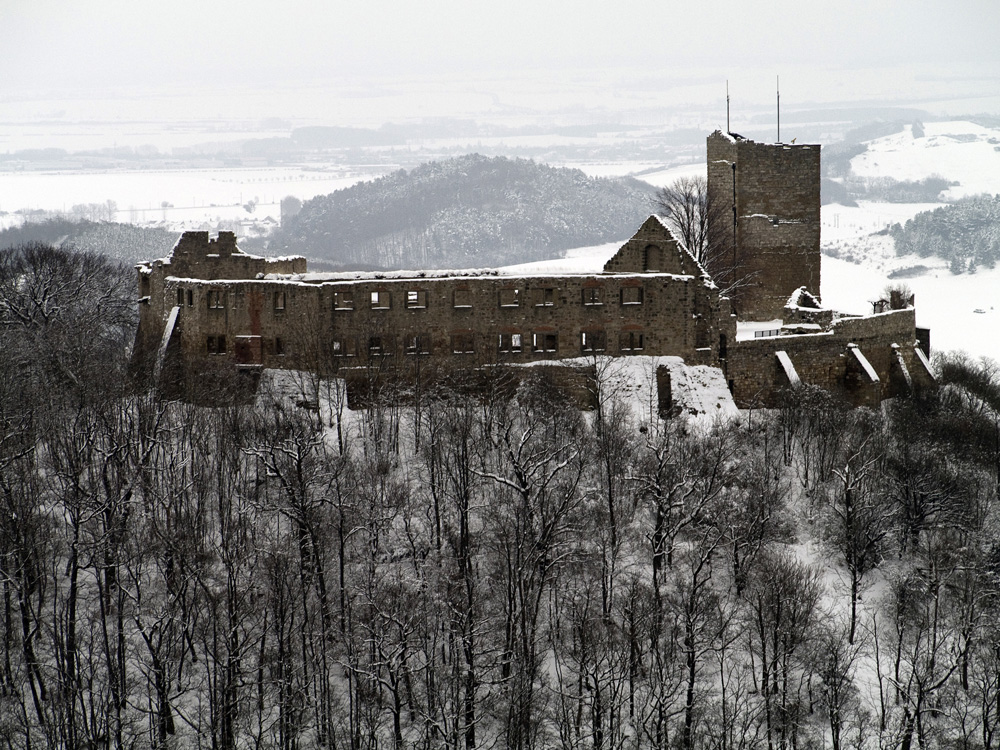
(727, 106)
(777, 87)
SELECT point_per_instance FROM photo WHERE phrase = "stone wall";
(196, 256)
(654, 248)
(466, 320)
(824, 359)
(237, 308)
(775, 189)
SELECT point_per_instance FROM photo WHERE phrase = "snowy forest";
(966, 233)
(463, 212)
(505, 571)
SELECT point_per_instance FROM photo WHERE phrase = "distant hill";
(469, 211)
(123, 242)
(965, 233)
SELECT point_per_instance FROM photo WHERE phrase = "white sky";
(104, 44)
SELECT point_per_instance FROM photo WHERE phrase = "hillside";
(923, 244)
(124, 242)
(468, 211)
(263, 575)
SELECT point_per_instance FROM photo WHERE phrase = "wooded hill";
(123, 242)
(469, 211)
(966, 233)
(445, 572)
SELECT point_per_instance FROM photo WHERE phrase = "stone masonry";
(203, 306)
(210, 307)
(772, 197)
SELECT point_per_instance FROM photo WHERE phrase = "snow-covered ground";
(961, 311)
(193, 194)
(959, 150)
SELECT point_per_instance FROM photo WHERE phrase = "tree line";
(499, 571)
(966, 233)
(468, 211)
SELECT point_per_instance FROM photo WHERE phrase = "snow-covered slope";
(961, 311)
(960, 150)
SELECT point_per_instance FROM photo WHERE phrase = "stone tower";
(771, 197)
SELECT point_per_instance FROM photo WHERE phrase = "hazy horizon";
(366, 64)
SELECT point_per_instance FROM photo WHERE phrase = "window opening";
(462, 343)
(654, 260)
(510, 297)
(380, 300)
(510, 343)
(631, 341)
(344, 347)
(343, 300)
(462, 298)
(592, 296)
(416, 299)
(216, 344)
(419, 343)
(379, 345)
(632, 295)
(545, 296)
(593, 341)
(544, 342)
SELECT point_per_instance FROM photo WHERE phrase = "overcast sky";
(50, 43)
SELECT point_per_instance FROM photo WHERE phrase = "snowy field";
(961, 311)
(961, 151)
(193, 194)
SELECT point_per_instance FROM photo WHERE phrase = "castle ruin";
(209, 305)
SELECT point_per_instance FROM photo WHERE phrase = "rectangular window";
(417, 343)
(544, 342)
(379, 346)
(343, 300)
(462, 298)
(279, 346)
(180, 296)
(592, 296)
(344, 347)
(216, 299)
(631, 295)
(593, 341)
(544, 296)
(510, 343)
(279, 300)
(630, 341)
(381, 300)
(416, 299)
(190, 298)
(215, 344)
(510, 297)
(463, 343)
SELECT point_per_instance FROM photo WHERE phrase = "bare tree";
(700, 225)
(859, 518)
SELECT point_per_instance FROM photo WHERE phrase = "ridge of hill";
(471, 210)
(123, 242)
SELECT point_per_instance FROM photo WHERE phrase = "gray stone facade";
(771, 195)
(208, 306)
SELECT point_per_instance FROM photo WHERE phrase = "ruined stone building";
(208, 305)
